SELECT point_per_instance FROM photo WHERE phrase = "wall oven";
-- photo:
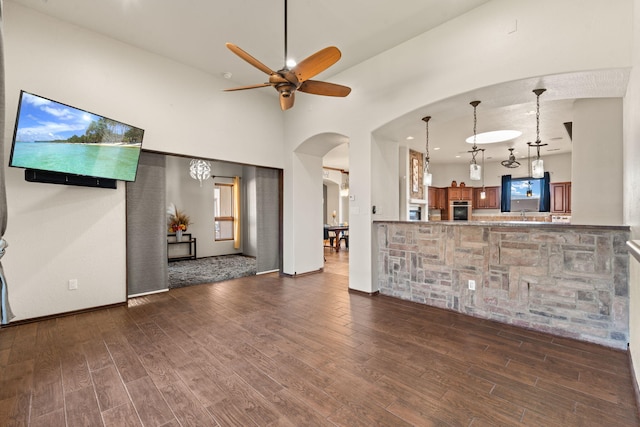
(461, 210)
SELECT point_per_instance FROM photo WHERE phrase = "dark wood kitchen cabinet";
(432, 194)
(560, 197)
(437, 198)
(459, 193)
(491, 200)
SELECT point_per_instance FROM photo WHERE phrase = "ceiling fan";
(287, 81)
(511, 162)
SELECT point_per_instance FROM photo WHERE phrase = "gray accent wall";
(147, 227)
(249, 224)
(267, 219)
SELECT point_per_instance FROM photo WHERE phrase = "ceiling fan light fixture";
(511, 162)
(296, 77)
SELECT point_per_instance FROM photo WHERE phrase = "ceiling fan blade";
(317, 63)
(247, 87)
(286, 100)
(250, 59)
(324, 88)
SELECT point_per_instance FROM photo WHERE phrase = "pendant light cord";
(427, 158)
(474, 149)
(538, 121)
(286, 57)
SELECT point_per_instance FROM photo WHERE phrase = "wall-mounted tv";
(55, 137)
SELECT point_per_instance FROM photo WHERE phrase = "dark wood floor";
(269, 351)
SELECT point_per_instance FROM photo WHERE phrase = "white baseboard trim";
(148, 293)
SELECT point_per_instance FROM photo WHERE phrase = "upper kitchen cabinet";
(437, 198)
(460, 193)
(491, 200)
(560, 197)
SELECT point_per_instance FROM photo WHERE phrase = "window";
(223, 211)
(520, 201)
(514, 194)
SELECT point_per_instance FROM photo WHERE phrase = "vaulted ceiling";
(195, 33)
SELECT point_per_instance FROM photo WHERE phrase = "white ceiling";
(509, 105)
(195, 33)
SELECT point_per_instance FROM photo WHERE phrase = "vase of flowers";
(177, 221)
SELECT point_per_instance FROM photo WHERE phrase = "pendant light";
(200, 169)
(475, 171)
(537, 165)
(428, 178)
(344, 187)
(483, 193)
(529, 191)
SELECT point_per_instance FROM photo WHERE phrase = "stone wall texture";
(567, 280)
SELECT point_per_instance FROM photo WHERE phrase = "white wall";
(198, 202)
(333, 179)
(333, 202)
(184, 111)
(465, 54)
(385, 160)
(558, 166)
(632, 187)
(596, 189)
(57, 233)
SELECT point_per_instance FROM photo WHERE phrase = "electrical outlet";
(73, 284)
(472, 285)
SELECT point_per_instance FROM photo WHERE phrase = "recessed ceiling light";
(494, 136)
(458, 156)
(291, 63)
(555, 138)
(437, 148)
(409, 138)
(227, 75)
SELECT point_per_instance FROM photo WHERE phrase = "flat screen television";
(55, 137)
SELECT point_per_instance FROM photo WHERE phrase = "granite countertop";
(536, 224)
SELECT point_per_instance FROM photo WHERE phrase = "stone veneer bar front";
(567, 280)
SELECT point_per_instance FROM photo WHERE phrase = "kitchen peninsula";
(567, 280)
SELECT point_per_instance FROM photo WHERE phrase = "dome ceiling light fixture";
(510, 163)
(494, 136)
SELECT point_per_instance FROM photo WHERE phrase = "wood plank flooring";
(271, 351)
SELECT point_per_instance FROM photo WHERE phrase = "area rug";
(210, 270)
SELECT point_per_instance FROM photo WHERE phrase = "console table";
(187, 240)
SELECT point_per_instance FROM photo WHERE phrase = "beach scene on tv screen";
(56, 137)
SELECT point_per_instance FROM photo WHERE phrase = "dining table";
(339, 231)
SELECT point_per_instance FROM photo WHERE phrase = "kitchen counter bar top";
(541, 224)
(570, 280)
